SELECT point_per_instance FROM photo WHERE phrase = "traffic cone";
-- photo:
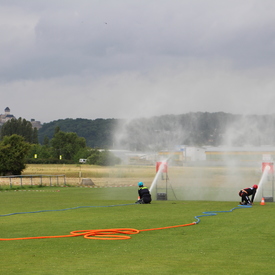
(262, 201)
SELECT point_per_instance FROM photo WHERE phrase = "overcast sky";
(136, 58)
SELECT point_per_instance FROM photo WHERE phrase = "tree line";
(19, 146)
(164, 132)
(98, 133)
(68, 140)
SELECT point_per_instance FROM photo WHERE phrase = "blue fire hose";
(39, 211)
(214, 213)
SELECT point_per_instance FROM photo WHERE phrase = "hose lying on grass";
(112, 234)
(65, 209)
(214, 213)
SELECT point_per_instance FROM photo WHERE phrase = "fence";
(41, 180)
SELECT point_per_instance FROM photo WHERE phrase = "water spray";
(267, 169)
(161, 172)
(161, 167)
(262, 180)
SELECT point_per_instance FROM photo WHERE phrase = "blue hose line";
(39, 211)
(214, 213)
(205, 214)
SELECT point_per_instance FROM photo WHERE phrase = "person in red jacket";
(245, 193)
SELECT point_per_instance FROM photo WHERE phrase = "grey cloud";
(127, 58)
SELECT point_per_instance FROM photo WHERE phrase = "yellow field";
(100, 175)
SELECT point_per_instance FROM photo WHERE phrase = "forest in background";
(98, 133)
(167, 131)
(69, 140)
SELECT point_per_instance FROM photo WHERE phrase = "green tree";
(39, 151)
(107, 158)
(20, 127)
(98, 133)
(66, 144)
(103, 158)
(93, 158)
(83, 153)
(46, 141)
(13, 153)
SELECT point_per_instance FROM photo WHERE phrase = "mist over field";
(196, 129)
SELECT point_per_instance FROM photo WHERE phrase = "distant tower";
(7, 111)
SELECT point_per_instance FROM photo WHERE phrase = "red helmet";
(255, 186)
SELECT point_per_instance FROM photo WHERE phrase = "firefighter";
(144, 194)
(245, 193)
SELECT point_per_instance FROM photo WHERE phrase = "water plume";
(209, 179)
(262, 181)
(158, 174)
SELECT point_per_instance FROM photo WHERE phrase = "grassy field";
(236, 242)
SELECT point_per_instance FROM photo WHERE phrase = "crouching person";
(246, 192)
(144, 194)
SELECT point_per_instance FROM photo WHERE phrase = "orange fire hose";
(118, 233)
(99, 234)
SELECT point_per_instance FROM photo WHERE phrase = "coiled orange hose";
(100, 234)
(118, 233)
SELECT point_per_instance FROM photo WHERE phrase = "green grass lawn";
(237, 242)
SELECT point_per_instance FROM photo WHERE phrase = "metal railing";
(31, 180)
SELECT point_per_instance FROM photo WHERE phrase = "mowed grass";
(237, 242)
